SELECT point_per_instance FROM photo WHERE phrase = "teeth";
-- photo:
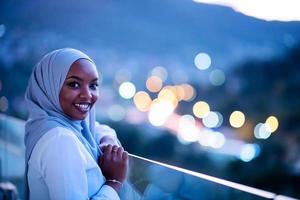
(82, 106)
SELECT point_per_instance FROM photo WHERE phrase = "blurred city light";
(168, 95)
(261, 132)
(210, 138)
(159, 112)
(3, 104)
(218, 140)
(249, 151)
(187, 130)
(189, 92)
(142, 101)
(201, 109)
(2, 30)
(160, 72)
(237, 119)
(116, 112)
(211, 120)
(217, 77)
(272, 124)
(202, 61)
(179, 92)
(127, 90)
(154, 83)
(220, 117)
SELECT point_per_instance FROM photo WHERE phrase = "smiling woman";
(68, 154)
(80, 89)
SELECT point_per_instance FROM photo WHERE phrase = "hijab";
(45, 112)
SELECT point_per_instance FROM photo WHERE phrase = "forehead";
(83, 68)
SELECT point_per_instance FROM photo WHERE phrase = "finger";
(107, 149)
(125, 155)
(115, 149)
(120, 152)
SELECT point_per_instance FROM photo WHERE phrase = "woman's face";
(80, 89)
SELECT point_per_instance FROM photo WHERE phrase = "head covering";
(42, 98)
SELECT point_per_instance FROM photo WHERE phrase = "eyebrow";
(76, 77)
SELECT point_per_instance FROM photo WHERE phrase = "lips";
(82, 107)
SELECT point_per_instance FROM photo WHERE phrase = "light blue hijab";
(45, 112)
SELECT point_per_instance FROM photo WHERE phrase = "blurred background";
(209, 86)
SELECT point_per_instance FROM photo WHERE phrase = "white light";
(202, 61)
(211, 120)
(248, 152)
(261, 132)
(159, 112)
(127, 90)
(187, 129)
(204, 138)
(283, 10)
(218, 140)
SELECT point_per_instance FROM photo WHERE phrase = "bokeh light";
(168, 95)
(160, 72)
(188, 132)
(216, 140)
(249, 151)
(202, 61)
(272, 124)
(210, 138)
(127, 90)
(142, 101)
(3, 104)
(211, 120)
(217, 77)
(201, 109)
(189, 92)
(159, 112)
(116, 112)
(237, 119)
(154, 83)
(261, 132)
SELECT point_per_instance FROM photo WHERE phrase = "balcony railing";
(147, 179)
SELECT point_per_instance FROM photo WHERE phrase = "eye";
(73, 85)
(94, 86)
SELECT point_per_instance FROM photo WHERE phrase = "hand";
(114, 164)
(106, 140)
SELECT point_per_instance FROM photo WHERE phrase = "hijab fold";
(45, 112)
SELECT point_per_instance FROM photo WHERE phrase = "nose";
(85, 93)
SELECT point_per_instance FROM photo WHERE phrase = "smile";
(82, 107)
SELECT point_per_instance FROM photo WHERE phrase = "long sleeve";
(102, 130)
(66, 170)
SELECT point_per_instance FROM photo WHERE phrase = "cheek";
(66, 97)
(95, 96)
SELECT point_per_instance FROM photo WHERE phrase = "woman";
(63, 156)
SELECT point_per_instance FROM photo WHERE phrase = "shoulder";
(58, 134)
(54, 141)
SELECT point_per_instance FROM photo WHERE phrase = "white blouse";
(60, 168)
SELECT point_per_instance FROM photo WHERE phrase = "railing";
(147, 179)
